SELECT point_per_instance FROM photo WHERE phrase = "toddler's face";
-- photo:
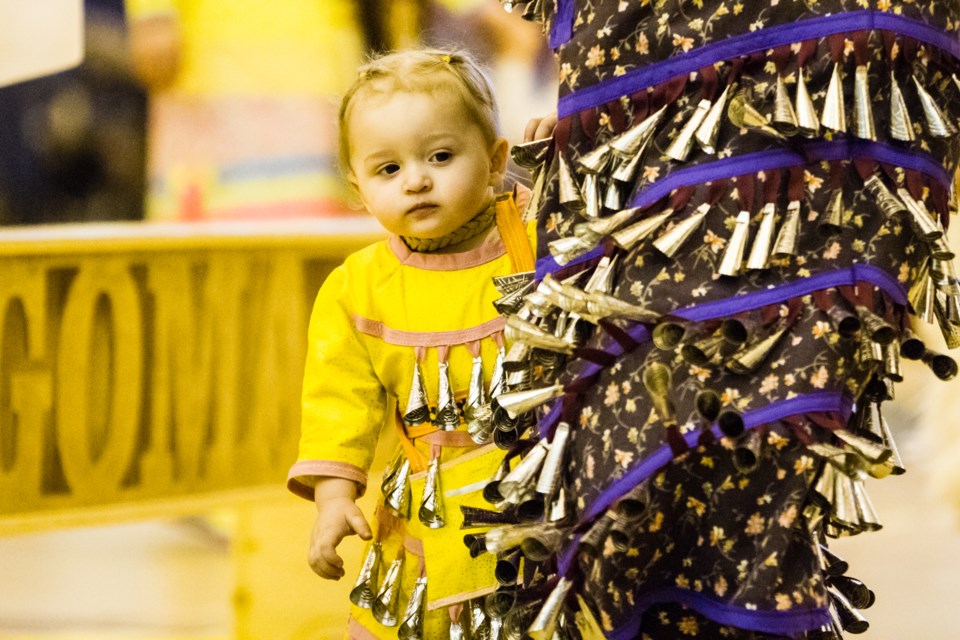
(421, 165)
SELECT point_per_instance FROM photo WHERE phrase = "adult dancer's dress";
(741, 206)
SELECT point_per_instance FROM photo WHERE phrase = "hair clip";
(446, 58)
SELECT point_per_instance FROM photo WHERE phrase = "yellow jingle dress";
(384, 318)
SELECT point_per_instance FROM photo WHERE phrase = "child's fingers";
(359, 525)
(326, 563)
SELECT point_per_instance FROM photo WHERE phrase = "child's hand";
(540, 127)
(337, 517)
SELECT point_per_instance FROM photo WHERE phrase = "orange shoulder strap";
(513, 234)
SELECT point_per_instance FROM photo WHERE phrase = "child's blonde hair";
(423, 71)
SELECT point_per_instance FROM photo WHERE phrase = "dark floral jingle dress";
(741, 212)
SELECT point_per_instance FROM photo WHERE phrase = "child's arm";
(338, 516)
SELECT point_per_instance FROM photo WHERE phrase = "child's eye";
(389, 169)
(442, 156)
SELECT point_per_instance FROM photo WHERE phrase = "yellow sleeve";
(142, 8)
(343, 401)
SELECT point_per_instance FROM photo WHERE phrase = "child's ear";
(498, 161)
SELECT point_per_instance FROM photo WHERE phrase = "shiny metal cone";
(921, 221)
(942, 365)
(396, 492)
(448, 414)
(558, 511)
(759, 256)
(508, 568)
(849, 617)
(511, 302)
(869, 354)
(569, 193)
(515, 484)
(518, 330)
(749, 358)
(709, 129)
(597, 160)
(602, 278)
(657, 380)
(392, 468)
(530, 155)
(671, 240)
(516, 403)
(417, 409)
(940, 250)
(586, 622)
(901, 126)
(892, 367)
(602, 305)
(863, 126)
(591, 196)
(631, 141)
(788, 238)
(921, 295)
(784, 117)
(853, 590)
(876, 425)
(594, 230)
(938, 124)
(431, 512)
(844, 320)
(626, 170)
(830, 222)
(745, 116)
(890, 205)
(878, 329)
(388, 597)
(667, 335)
(864, 447)
(844, 509)
(704, 349)
(513, 281)
(708, 404)
(680, 148)
(411, 628)
(477, 411)
(629, 237)
(497, 378)
(364, 592)
(865, 510)
(477, 620)
(592, 541)
(747, 452)
(732, 259)
(612, 200)
(566, 249)
(553, 464)
(826, 484)
(834, 114)
(911, 346)
(807, 121)
(501, 539)
(545, 624)
(542, 542)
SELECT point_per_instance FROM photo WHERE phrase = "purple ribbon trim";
(562, 28)
(790, 622)
(747, 43)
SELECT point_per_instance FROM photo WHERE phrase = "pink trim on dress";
(491, 249)
(356, 631)
(402, 338)
(323, 468)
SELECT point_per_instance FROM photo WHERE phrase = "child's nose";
(417, 180)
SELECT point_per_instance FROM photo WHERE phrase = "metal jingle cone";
(388, 597)
(631, 141)
(732, 260)
(849, 617)
(591, 196)
(569, 193)
(592, 541)
(708, 404)
(396, 493)
(869, 354)
(749, 358)
(448, 414)
(507, 568)
(938, 124)
(392, 468)
(542, 542)
(533, 10)
(940, 250)
(545, 624)
(587, 623)
(825, 485)
(843, 513)
(788, 238)
(745, 116)
(516, 403)
(626, 171)
(859, 595)
(477, 411)
(901, 126)
(658, 381)
(513, 281)
(530, 155)
(862, 108)
(833, 565)
(491, 492)
(834, 114)
(892, 367)
(759, 256)
(911, 346)
(501, 539)
(522, 477)
(921, 296)
(667, 335)
(730, 423)
(830, 222)
(418, 409)
(876, 425)
(364, 592)
(889, 204)
(808, 123)
(680, 148)
(456, 631)
(747, 452)
(431, 512)
(477, 621)
(591, 232)
(566, 249)
(628, 237)
(553, 465)
(611, 197)
(670, 241)
(942, 365)
(596, 160)
(516, 359)
(558, 507)
(411, 628)
(865, 448)
(878, 329)
(518, 330)
(709, 129)
(511, 302)
(518, 379)
(865, 509)
(603, 305)
(921, 221)
(536, 194)
(703, 350)
(784, 117)
(602, 278)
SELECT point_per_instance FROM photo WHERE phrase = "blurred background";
(192, 131)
